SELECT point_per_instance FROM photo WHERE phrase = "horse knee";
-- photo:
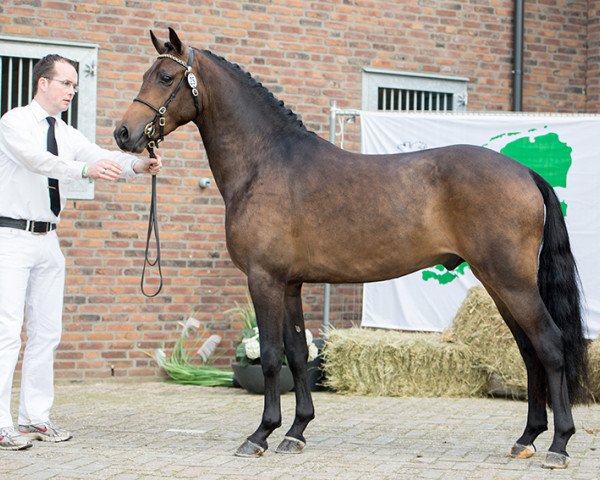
(271, 360)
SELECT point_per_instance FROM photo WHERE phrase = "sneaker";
(10, 439)
(46, 432)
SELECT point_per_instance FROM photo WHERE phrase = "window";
(18, 56)
(408, 92)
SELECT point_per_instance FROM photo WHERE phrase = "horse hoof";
(522, 451)
(249, 449)
(290, 445)
(556, 460)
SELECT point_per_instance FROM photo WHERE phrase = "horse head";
(168, 97)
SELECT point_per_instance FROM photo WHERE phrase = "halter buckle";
(162, 110)
(161, 121)
(149, 129)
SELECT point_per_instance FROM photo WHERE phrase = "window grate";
(405, 100)
(16, 89)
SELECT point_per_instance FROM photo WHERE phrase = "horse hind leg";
(537, 417)
(268, 298)
(296, 352)
(530, 314)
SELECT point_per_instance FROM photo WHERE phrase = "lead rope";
(149, 131)
(152, 226)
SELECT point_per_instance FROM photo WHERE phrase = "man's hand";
(104, 170)
(148, 165)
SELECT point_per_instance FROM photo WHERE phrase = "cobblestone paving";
(125, 431)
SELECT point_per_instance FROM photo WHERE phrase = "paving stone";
(140, 431)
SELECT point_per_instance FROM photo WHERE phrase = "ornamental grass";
(189, 361)
(181, 367)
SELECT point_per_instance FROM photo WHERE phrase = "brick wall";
(306, 53)
(555, 59)
(593, 57)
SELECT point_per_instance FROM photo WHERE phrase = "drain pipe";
(518, 58)
(327, 296)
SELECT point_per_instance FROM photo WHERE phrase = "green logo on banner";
(546, 154)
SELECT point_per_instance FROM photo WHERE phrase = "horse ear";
(160, 48)
(175, 41)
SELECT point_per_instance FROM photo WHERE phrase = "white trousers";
(32, 274)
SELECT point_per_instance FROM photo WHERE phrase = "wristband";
(84, 171)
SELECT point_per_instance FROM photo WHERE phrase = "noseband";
(150, 128)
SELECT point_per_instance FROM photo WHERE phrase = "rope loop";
(152, 227)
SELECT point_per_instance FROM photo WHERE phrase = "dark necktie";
(52, 147)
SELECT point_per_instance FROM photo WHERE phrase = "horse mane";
(264, 93)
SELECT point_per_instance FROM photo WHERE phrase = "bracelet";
(84, 171)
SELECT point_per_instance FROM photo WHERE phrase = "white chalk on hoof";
(522, 451)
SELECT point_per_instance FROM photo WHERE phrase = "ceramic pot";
(251, 378)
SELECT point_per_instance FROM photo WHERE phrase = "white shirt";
(25, 164)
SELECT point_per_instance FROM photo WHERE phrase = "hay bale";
(479, 326)
(594, 360)
(391, 363)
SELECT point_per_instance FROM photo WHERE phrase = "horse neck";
(241, 132)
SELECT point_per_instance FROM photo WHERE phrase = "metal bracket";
(89, 69)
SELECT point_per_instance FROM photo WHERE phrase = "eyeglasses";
(66, 83)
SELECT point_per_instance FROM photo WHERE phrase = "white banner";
(562, 149)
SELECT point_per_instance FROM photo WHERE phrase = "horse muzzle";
(129, 142)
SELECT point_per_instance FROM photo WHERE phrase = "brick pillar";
(593, 60)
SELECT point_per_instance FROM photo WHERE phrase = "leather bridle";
(150, 129)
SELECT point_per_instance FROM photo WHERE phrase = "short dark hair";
(45, 66)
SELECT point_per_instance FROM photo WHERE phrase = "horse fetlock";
(269, 424)
(530, 434)
(305, 416)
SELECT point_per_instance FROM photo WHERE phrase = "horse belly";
(366, 255)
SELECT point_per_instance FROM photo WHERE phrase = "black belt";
(29, 225)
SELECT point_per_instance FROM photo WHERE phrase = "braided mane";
(264, 93)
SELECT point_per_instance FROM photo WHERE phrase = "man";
(38, 153)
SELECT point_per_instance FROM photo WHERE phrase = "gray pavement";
(160, 430)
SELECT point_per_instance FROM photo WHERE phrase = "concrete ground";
(165, 431)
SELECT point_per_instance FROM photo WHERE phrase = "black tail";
(558, 281)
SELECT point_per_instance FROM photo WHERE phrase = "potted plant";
(248, 371)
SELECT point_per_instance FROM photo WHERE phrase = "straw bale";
(391, 363)
(479, 326)
(594, 360)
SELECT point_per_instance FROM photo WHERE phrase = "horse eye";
(166, 78)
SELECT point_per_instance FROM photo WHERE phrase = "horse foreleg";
(296, 351)
(268, 298)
